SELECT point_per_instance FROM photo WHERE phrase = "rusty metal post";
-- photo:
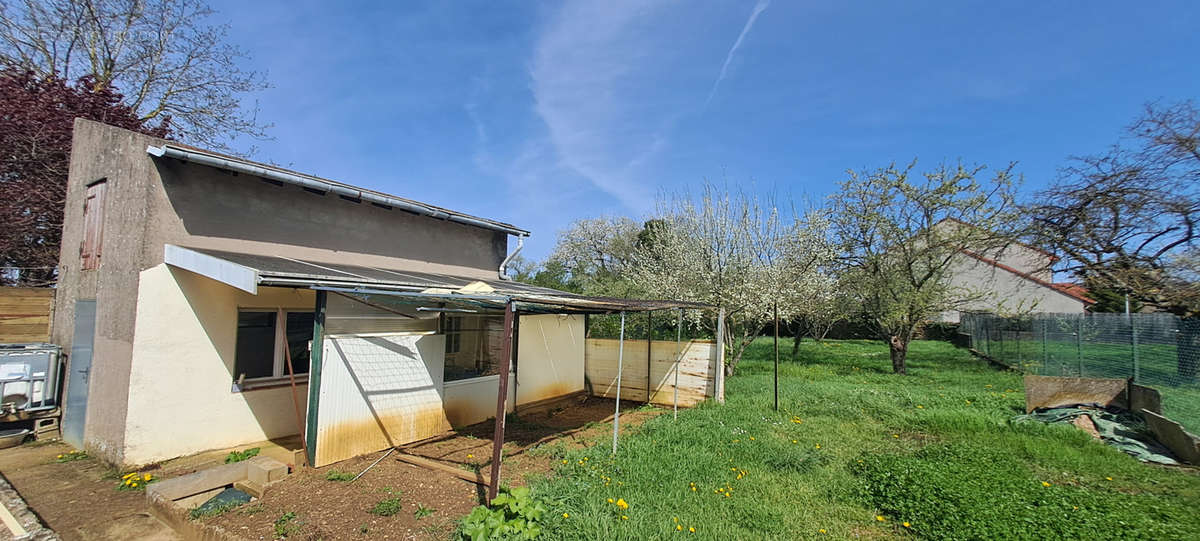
(620, 361)
(776, 306)
(501, 402)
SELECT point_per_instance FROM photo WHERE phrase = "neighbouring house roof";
(248, 271)
(1071, 287)
(1077, 292)
(1052, 257)
(231, 163)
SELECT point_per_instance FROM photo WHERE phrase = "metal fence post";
(1045, 354)
(1137, 369)
(1079, 343)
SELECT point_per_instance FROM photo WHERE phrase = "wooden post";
(501, 401)
(314, 376)
(678, 357)
(620, 361)
(649, 351)
(776, 307)
(287, 352)
(719, 386)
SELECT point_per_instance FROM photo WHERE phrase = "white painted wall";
(180, 391)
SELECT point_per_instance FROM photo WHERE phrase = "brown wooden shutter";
(93, 225)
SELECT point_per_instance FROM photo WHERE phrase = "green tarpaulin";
(1120, 429)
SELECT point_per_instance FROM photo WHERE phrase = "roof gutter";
(312, 183)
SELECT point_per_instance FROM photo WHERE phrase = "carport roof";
(248, 271)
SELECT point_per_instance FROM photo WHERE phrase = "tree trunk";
(1187, 349)
(898, 347)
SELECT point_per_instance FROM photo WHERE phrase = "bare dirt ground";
(325, 509)
(79, 500)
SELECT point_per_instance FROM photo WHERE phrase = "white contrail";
(760, 7)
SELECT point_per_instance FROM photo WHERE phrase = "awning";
(248, 271)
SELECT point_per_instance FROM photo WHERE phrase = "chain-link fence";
(1158, 350)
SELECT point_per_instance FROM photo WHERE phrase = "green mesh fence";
(1157, 350)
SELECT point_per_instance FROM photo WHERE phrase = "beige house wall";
(1003, 292)
(151, 202)
(180, 385)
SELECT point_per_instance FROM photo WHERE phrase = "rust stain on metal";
(349, 439)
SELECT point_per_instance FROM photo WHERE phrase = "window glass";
(473, 345)
(299, 333)
(255, 355)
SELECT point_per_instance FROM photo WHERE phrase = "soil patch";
(78, 499)
(321, 508)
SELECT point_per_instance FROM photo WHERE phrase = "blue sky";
(543, 113)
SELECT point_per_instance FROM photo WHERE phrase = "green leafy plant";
(514, 514)
(238, 456)
(387, 507)
(335, 475)
(286, 525)
(423, 511)
(212, 511)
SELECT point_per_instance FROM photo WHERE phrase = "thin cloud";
(760, 7)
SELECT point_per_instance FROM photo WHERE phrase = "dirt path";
(77, 499)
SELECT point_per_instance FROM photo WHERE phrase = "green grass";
(853, 442)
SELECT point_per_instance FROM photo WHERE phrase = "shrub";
(514, 514)
(238, 456)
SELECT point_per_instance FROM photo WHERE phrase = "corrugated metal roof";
(421, 287)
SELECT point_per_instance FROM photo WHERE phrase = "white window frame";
(279, 362)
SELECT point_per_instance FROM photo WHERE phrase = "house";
(208, 301)
(1013, 278)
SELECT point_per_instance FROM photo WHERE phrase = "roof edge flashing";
(219, 162)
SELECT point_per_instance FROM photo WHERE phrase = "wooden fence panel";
(697, 370)
(25, 314)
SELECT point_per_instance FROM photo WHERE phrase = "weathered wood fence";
(25, 314)
(653, 381)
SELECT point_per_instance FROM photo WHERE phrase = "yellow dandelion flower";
(692, 529)
(679, 527)
(822, 530)
(1108, 478)
(147, 477)
(624, 517)
(134, 485)
(727, 494)
(920, 407)
(793, 441)
(693, 489)
(907, 525)
(879, 518)
(610, 500)
(751, 438)
(1045, 484)
(818, 446)
(564, 461)
(470, 455)
(675, 519)
(621, 503)
(566, 515)
(896, 436)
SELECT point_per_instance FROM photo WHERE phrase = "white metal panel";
(377, 392)
(239, 276)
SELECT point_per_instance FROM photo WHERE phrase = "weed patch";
(387, 507)
(238, 456)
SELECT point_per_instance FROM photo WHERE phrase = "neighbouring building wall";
(180, 386)
(1002, 291)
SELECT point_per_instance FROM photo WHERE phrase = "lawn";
(855, 451)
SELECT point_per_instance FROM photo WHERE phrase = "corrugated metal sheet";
(378, 392)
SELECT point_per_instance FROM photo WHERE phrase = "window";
(263, 343)
(93, 225)
(474, 345)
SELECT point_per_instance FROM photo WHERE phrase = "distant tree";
(1128, 220)
(895, 257)
(596, 255)
(550, 273)
(170, 62)
(733, 251)
(36, 118)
